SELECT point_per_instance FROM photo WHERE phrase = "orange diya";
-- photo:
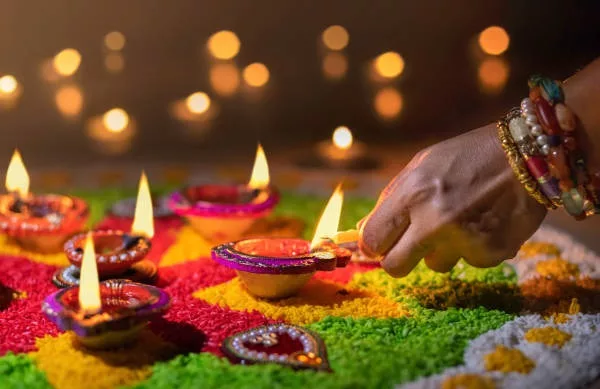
(278, 267)
(105, 314)
(223, 213)
(39, 223)
(118, 254)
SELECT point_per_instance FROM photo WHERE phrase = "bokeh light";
(67, 62)
(224, 78)
(115, 120)
(256, 74)
(388, 103)
(69, 100)
(114, 62)
(342, 137)
(493, 74)
(114, 41)
(224, 44)
(8, 84)
(198, 102)
(335, 37)
(389, 64)
(494, 40)
(335, 66)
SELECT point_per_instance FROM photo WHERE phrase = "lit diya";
(119, 254)
(278, 267)
(284, 344)
(105, 314)
(38, 223)
(223, 213)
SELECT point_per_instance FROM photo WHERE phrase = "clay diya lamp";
(39, 223)
(106, 314)
(284, 344)
(276, 268)
(223, 213)
(118, 254)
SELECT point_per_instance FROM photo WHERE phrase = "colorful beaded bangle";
(517, 162)
(553, 125)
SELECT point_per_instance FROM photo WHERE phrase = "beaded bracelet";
(544, 136)
(516, 160)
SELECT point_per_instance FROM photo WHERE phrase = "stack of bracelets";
(539, 141)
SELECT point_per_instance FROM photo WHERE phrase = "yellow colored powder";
(8, 247)
(468, 381)
(531, 249)
(549, 336)
(188, 246)
(69, 366)
(314, 302)
(508, 360)
(557, 268)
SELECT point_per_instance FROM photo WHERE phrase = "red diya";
(118, 254)
(224, 213)
(38, 223)
(278, 267)
(284, 344)
(107, 314)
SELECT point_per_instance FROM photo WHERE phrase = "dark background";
(165, 60)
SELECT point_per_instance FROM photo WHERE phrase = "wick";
(130, 241)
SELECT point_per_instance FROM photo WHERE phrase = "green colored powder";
(19, 371)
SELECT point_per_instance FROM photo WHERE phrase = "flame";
(342, 138)
(143, 223)
(260, 172)
(330, 219)
(89, 284)
(17, 179)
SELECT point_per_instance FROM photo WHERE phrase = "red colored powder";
(343, 275)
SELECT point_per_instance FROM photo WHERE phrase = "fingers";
(382, 229)
(406, 253)
(441, 261)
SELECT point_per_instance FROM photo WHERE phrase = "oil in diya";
(106, 314)
(119, 254)
(276, 268)
(222, 213)
(38, 222)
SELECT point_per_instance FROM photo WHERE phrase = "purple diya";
(41, 223)
(284, 344)
(223, 213)
(119, 255)
(275, 268)
(126, 308)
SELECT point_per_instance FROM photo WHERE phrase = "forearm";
(582, 95)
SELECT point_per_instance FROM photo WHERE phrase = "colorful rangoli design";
(531, 322)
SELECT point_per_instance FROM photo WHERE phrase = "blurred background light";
(335, 37)
(493, 74)
(114, 41)
(389, 64)
(494, 40)
(335, 66)
(114, 62)
(69, 100)
(388, 103)
(8, 84)
(116, 120)
(342, 137)
(256, 74)
(198, 102)
(224, 78)
(224, 44)
(67, 62)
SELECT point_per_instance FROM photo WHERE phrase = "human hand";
(458, 198)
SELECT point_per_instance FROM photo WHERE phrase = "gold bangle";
(518, 164)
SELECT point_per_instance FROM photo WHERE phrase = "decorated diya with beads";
(223, 213)
(118, 254)
(39, 223)
(283, 344)
(276, 268)
(104, 314)
(127, 307)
